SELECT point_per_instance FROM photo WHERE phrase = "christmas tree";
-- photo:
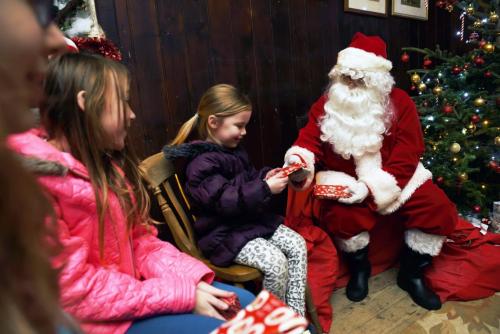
(458, 100)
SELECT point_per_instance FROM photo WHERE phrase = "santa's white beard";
(355, 120)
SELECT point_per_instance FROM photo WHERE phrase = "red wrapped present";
(323, 191)
(265, 315)
(290, 169)
(233, 309)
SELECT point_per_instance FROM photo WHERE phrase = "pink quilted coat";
(139, 275)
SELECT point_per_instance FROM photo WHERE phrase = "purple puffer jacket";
(229, 199)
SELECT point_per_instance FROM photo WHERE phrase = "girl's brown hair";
(29, 302)
(67, 75)
(221, 101)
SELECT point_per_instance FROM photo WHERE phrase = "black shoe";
(410, 279)
(359, 269)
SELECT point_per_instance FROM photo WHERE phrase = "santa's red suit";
(399, 185)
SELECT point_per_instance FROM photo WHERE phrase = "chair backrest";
(166, 187)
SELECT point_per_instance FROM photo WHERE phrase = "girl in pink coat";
(115, 275)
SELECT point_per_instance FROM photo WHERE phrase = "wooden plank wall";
(277, 51)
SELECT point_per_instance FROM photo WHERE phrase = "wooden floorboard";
(388, 309)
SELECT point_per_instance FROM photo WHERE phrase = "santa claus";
(365, 134)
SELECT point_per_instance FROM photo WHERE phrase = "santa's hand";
(299, 175)
(358, 191)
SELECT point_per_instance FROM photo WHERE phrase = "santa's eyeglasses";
(45, 11)
(346, 79)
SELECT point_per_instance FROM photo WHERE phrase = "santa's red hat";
(365, 53)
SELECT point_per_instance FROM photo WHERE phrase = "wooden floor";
(388, 309)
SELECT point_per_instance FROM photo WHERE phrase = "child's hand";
(208, 302)
(277, 183)
(271, 173)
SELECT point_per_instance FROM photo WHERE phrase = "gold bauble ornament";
(497, 140)
(479, 102)
(493, 17)
(470, 9)
(463, 177)
(415, 78)
(437, 90)
(455, 147)
(477, 24)
(489, 47)
(421, 87)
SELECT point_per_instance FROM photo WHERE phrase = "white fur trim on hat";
(424, 243)
(308, 157)
(420, 176)
(383, 186)
(362, 60)
(359, 241)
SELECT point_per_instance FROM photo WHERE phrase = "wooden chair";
(164, 182)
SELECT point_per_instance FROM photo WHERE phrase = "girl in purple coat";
(230, 197)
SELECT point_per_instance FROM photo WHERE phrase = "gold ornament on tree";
(470, 9)
(493, 17)
(463, 177)
(479, 102)
(497, 141)
(437, 90)
(455, 148)
(477, 24)
(415, 78)
(422, 87)
(489, 47)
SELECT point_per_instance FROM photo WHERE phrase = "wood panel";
(279, 52)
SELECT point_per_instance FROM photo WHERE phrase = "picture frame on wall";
(371, 7)
(415, 9)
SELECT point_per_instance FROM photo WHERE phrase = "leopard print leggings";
(283, 261)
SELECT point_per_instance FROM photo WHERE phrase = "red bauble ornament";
(477, 208)
(466, 66)
(427, 63)
(440, 180)
(482, 43)
(488, 74)
(447, 108)
(412, 87)
(478, 60)
(493, 165)
(475, 118)
(456, 70)
(440, 3)
(405, 57)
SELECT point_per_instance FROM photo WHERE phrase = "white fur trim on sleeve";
(383, 186)
(333, 178)
(420, 176)
(308, 158)
(363, 61)
(424, 243)
(359, 241)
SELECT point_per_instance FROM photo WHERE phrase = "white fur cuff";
(353, 244)
(308, 158)
(424, 243)
(382, 185)
(335, 178)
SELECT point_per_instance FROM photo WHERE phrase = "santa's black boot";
(410, 279)
(360, 269)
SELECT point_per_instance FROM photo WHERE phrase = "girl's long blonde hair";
(67, 75)
(221, 101)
